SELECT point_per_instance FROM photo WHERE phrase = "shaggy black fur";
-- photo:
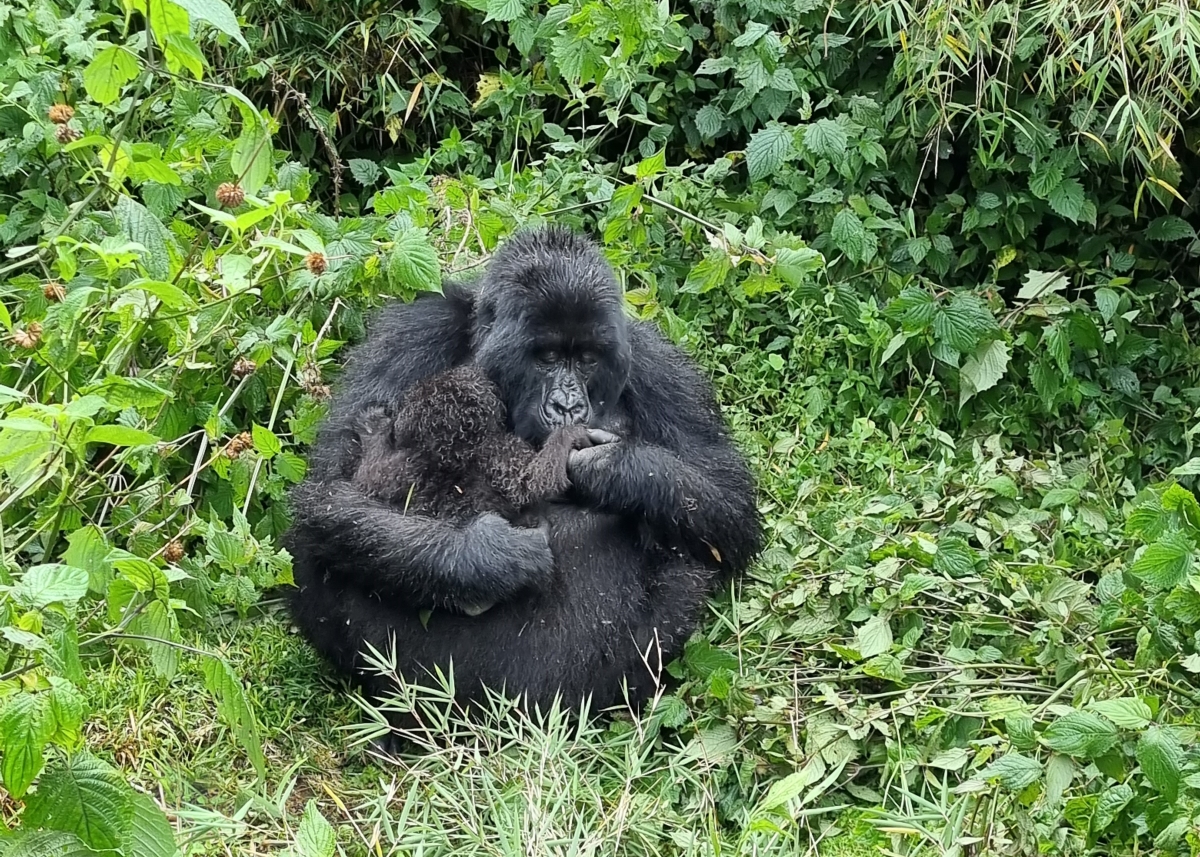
(655, 518)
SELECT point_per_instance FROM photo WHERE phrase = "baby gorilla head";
(449, 454)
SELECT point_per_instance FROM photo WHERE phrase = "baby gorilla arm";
(418, 561)
(525, 478)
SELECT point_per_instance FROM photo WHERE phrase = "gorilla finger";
(600, 436)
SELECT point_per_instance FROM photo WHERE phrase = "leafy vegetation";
(939, 260)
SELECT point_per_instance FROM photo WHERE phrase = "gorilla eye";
(546, 355)
(588, 358)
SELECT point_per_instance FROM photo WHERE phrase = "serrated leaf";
(25, 729)
(954, 557)
(1109, 806)
(703, 658)
(951, 760)
(827, 139)
(1161, 757)
(234, 708)
(51, 583)
(983, 369)
(791, 786)
(1038, 284)
(158, 621)
(413, 263)
(1020, 731)
(851, 237)
(117, 435)
(66, 708)
(962, 322)
(291, 467)
(504, 10)
(48, 843)
(1165, 563)
(84, 796)
(139, 224)
(768, 150)
(250, 157)
(218, 14)
(315, 837)
(149, 833)
(1044, 181)
(709, 121)
(874, 637)
(1081, 734)
(365, 172)
(1067, 200)
(1013, 771)
(1107, 302)
(266, 443)
(111, 69)
(1127, 713)
(887, 667)
(1169, 228)
(1060, 771)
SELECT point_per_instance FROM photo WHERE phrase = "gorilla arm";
(676, 468)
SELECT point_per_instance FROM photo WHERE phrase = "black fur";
(653, 522)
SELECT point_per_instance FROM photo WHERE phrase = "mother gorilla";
(609, 579)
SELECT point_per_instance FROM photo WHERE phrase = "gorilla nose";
(566, 410)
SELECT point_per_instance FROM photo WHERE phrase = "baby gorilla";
(448, 454)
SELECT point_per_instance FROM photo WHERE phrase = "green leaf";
(874, 637)
(250, 157)
(149, 833)
(768, 150)
(48, 843)
(796, 266)
(218, 14)
(117, 435)
(1038, 284)
(1109, 806)
(1020, 731)
(365, 172)
(1081, 734)
(1166, 563)
(291, 466)
(827, 139)
(707, 274)
(1161, 758)
(954, 557)
(84, 796)
(1127, 712)
(66, 707)
(983, 369)
(25, 729)
(315, 836)
(962, 322)
(709, 121)
(1067, 200)
(157, 620)
(504, 10)
(1045, 181)
(1169, 228)
(703, 658)
(1060, 771)
(851, 237)
(234, 708)
(1108, 302)
(265, 442)
(887, 667)
(111, 69)
(51, 583)
(413, 263)
(139, 225)
(181, 52)
(1013, 770)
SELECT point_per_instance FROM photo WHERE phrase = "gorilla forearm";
(414, 559)
(708, 506)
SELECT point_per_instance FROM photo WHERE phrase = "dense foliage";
(939, 258)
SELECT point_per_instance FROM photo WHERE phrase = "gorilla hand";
(590, 467)
(495, 548)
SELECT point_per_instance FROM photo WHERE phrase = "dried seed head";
(61, 114)
(29, 337)
(66, 134)
(173, 552)
(230, 195)
(242, 367)
(238, 445)
(54, 292)
(310, 380)
(316, 263)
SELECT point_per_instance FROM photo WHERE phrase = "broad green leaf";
(1127, 713)
(291, 466)
(234, 708)
(790, 787)
(1045, 181)
(112, 68)
(1109, 806)
(1166, 563)
(1161, 757)
(1013, 771)
(504, 10)
(650, 167)
(25, 728)
(166, 18)
(1038, 284)
(795, 266)
(265, 442)
(962, 322)
(181, 52)
(954, 557)
(48, 843)
(139, 225)
(365, 172)
(894, 345)
(827, 139)
(315, 837)
(149, 833)
(1108, 302)
(51, 583)
(1169, 228)
(117, 435)
(983, 369)
(887, 667)
(702, 657)
(1081, 734)
(874, 637)
(707, 274)
(768, 150)
(66, 708)
(171, 295)
(709, 121)
(158, 621)
(1060, 771)
(851, 237)
(413, 263)
(84, 796)
(250, 157)
(219, 14)
(1067, 200)
(1020, 731)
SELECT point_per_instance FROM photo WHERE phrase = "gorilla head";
(551, 332)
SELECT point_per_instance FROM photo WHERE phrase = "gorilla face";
(551, 332)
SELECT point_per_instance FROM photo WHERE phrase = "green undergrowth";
(938, 261)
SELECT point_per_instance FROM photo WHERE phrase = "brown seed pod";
(310, 381)
(238, 445)
(316, 263)
(61, 114)
(66, 134)
(242, 367)
(29, 337)
(173, 552)
(54, 292)
(230, 195)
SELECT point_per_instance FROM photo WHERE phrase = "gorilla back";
(659, 512)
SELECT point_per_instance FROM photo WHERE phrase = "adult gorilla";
(597, 585)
